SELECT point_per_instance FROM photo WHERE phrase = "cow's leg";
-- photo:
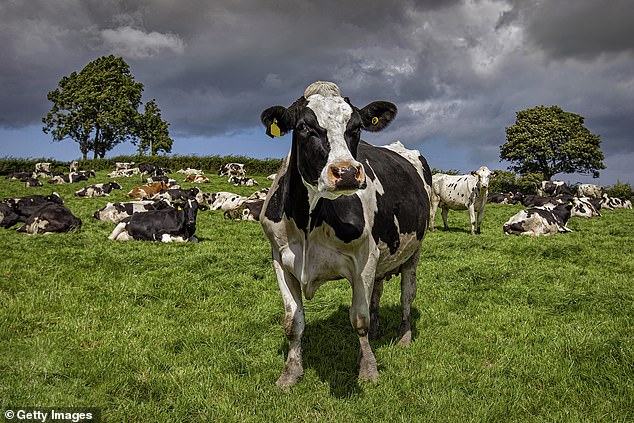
(432, 211)
(480, 216)
(408, 293)
(293, 325)
(360, 319)
(374, 309)
(472, 219)
(445, 212)
(117, 231)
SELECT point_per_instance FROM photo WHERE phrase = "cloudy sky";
(457, 70)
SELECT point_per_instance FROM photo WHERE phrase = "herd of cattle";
(159, 210)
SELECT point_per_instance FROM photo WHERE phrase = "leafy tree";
(621, 190)
(548, 140)
(97, 107)
(153, 131)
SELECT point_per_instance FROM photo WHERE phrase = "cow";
(98, 190)
(259, 194)
(505, 198)
(171, 224)
(43, 167)
(611, 203)
(224, 200)
(583, 207)
(242, 181)
(124, 173)
(540, 201)
(190, 171)
(460, 192)
(342, 208)
(19, 175)
(8, 216)
(116, 212)
(249, 210)
(71, 178)
(539, 221)
(153, 170)
(180, 194)
(50, 218)
(24, 207)
(553, 188)
(123, 165)
(589, 190)
(197, 179)
(232, 169)
(147, 191)
(32, 182)
(74, 166)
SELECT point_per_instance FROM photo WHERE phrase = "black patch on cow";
(344, 215)
(404, 196)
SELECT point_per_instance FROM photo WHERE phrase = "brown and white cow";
(342, 208)
(147, 191)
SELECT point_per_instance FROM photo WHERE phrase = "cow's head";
(483, 174)
(326, 133)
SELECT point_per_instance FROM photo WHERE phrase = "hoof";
(405, 335)
(290, 376)
(368, 370)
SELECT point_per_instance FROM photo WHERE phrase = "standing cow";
(342, 208)
(460, 192)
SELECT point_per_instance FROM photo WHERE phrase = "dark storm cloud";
(458, 70)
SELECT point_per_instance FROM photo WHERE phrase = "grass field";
(506, 328)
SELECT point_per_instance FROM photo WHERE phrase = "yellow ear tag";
(375, 121)
(274, 129)
(179, 208)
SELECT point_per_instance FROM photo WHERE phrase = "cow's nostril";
(336, 172)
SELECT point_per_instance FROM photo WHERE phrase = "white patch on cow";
(333, 114)
(38, 226)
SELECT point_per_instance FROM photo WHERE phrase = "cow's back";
(455, 192)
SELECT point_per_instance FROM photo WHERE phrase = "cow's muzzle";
(346, 176)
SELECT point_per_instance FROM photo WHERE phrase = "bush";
(503, 181)
(621, 190)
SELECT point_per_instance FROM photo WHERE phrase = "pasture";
(506, 328)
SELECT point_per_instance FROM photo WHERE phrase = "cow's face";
(483, 174)
(326, 133)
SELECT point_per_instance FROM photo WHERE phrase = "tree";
(97, 107)
(548, 140)
(152, 131)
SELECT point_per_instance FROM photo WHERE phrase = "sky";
(458, 71)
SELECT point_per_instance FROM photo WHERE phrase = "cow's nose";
(346, 175)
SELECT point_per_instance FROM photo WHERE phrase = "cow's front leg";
(408, 293)
(293, 325)
(374, 310)
(472, 219)
(360, 319)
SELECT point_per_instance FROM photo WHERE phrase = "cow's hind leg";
(374, 310)
(444, 213)
(293, 325)
(408, 293)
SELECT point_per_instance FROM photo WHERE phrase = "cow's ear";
(277, 121)
(377, 115)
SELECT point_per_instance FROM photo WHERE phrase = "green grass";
(506, 328)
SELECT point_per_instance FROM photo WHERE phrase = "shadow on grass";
(331, 347)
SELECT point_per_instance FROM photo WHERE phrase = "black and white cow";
(152, 170)
(590, 190)
(98, 190)
(249, 210)
(553, 188)
(611, 203)
(32, 182)
(19, 176)
(541, 201)
(171, 224)
(8, 217)
(24, 207)
(342, 208)
(232, 169)
(224, 200)
(50, 218)
(124, 173)
(539, 221)
(70, 178)
(505, 198)
(242, 181)
(116, 212)
(583, 207)
(460, 192)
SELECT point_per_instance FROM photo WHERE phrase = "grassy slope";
(506, 328)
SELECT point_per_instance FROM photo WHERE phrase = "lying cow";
(583, 207)
(232, 169)
(24, 207)
(116, 212)
(190, 171)
(552, 188)
(539, 221)
(249, 210)
(8, 217)
(541, 201)
(505, 198)
(460, 192)
(611, 203)
(32, 182)
(197, 179)
(171, 224)
(590, 190)
(123, 165)
(124, 173)
(98, 190)
(342, 208)
(181, 194)
(224, 200)
(242, 181)
(153, 170)
(70, 178)
(44, 167)
(147, 191)
(50, 218)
